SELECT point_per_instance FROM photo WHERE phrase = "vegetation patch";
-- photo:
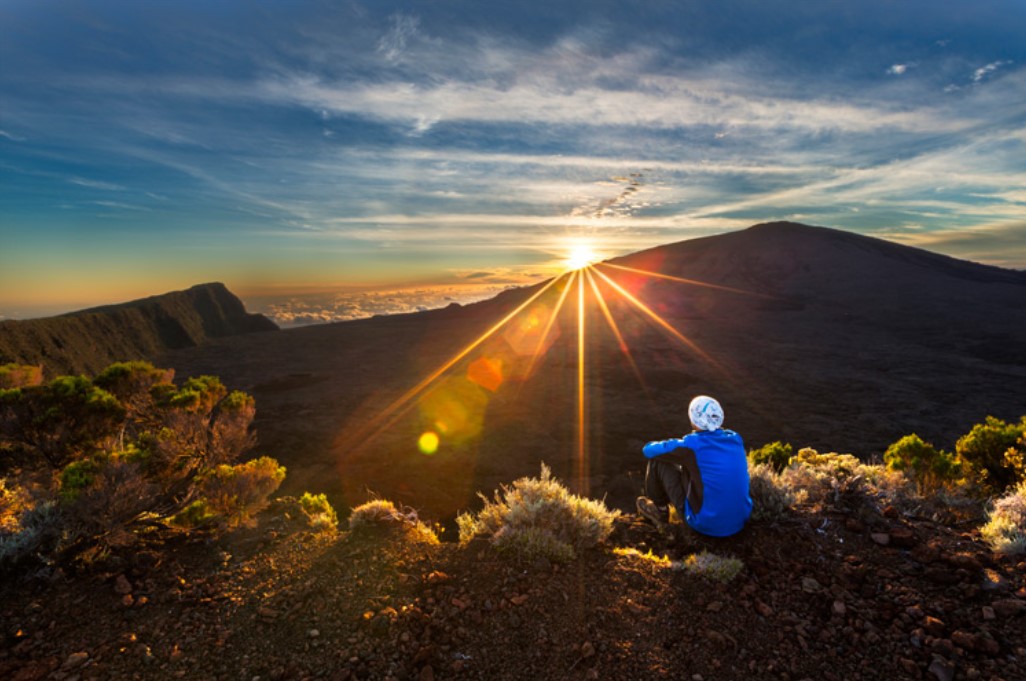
(382, 515)
(711, 566)
(539, 517)
(1005, 529)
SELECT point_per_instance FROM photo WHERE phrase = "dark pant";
(666, 481)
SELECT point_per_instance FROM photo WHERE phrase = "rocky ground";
(824, 594)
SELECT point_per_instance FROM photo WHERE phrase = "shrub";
(776, 454)
(236, 493)
(1005, 529)
(813, 477)
(381, 514)
(20, 375)
(927, 466)
(994, 451)
(771, 495)
(195, 515)
(37, 529)
(319, 512)
(711, 566)
(539, 517)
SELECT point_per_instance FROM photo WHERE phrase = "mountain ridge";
(88, 340)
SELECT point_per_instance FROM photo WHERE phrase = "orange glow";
(582, 460)
(541, 348)
(486, 372)
(428, 443)
(662, 323)
(613, 326)
(692, 282)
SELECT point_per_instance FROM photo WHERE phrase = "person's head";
(705, 413)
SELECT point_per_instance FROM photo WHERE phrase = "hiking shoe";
(658, 516)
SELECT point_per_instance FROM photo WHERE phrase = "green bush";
(20, 376)
(319, 512)
(995, 452)
(927, 466)
(539, 517)
(776, 454)
(129, 450)
(1005, 529)
(236, 493)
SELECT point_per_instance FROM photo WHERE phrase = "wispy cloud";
(96, 184)
(984, 71)
(392, 44)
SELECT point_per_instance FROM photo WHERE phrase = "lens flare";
(428, 443)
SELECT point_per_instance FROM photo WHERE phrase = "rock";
(839, 608)
(910, 667)
(942, 670)
(267, 613)
(127, 600)
(933, 625)
(74, 661)
(881, 538)
(763, 609)
(427, 673)
(993, 581)
(903, 537)
(715, 606)
(122, 586)
(519, 600)
(810, 585)
(988, 612)
(587, 650)
(1009, 607)
(313, 633)
(963, 639)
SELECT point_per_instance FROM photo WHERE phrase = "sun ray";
(552, 320)
(624, 348)
(659, 320)
(393, 411)
(582, 460)
(682, 280)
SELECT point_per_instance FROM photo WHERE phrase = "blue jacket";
(720, 454)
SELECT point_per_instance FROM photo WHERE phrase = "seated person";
(703, 474)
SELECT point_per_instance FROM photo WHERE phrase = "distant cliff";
(88, 340)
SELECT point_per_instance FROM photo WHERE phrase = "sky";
(331, 159)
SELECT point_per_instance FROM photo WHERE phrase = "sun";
(580, 256)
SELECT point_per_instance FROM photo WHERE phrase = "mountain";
(88, 340)
(810, 335)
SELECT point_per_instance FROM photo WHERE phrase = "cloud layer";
(335, 144)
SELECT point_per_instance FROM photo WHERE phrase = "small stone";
(903, 537)
(427, 673)
(763, 609)
(127, 600)
(839, 608)
(963, 639)
(810, 585)
(715, 606)
(122, 586)
(933, 625)
(881, 538)
(74, 661)
(942, 670)
(587, 650)
(1009, 607)
(313, 633)
(267, 613)
(988, 612)
(993, 581)
(519, 600)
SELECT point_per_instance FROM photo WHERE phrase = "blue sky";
(294, 147)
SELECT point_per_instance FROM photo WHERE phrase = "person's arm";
(660, 447)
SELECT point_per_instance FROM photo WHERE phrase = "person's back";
(703, 474)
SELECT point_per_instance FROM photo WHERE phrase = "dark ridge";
(88, 340)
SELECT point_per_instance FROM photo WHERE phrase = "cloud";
(347, 304)
(96, 184)
(984, 71)
(392, 44)
(11, 136)
(898, 69)
(993, 244)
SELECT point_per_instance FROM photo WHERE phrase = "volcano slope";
(806, 334)
(844, 590)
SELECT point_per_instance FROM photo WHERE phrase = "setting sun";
(580, 256)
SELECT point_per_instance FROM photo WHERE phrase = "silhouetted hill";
(831, 340)
(88, 340)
